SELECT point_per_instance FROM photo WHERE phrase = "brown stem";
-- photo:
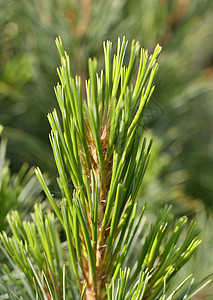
(90, 294)
(95, 291)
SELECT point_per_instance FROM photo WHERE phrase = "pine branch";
(99, 145)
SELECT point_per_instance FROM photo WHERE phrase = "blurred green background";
(180, 115)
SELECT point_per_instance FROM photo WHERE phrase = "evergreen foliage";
(21, 189)
(98, 142)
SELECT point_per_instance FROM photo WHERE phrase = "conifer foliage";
(98, 143)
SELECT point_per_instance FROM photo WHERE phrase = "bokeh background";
(180, 114)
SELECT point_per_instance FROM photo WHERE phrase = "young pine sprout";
(101, 148)
(98, 143)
